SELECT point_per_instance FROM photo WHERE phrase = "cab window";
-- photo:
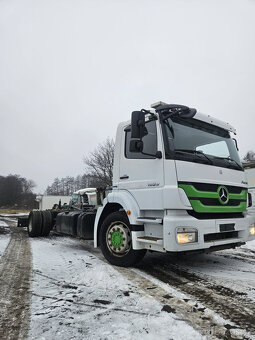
(149, 142)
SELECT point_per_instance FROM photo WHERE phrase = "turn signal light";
(252, 230)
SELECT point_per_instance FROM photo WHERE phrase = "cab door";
(140, 174)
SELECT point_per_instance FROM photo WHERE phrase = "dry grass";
(13, 211)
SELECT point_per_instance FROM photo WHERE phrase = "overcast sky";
(71, 70)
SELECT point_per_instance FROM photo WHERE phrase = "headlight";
(252, 230)
(186, 235)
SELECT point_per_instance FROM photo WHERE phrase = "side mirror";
(136, 145)
(138, 124)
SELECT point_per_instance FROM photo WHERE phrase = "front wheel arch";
(108, 209)
(118, 252)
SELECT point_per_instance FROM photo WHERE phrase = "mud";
(15, 270)
(226, 302)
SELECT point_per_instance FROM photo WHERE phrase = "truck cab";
(83, 197)
(178, 186)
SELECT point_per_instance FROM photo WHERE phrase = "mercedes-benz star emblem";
(223, 195)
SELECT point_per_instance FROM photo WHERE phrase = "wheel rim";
(118, 238)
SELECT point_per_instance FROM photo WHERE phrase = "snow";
(75, 295)
(4, 238)
(3, 224)
(233, 268)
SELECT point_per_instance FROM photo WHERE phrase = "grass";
(13, 211)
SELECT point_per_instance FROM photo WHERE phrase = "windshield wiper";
(194, 152)
(231, 160)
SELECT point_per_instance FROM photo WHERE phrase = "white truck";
(178, 186)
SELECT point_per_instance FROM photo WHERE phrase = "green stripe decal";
(194, 195)
(199, 207)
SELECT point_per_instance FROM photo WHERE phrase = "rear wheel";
(116, 241)
(34, 224)
(46, 222)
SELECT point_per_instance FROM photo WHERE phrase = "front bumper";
(211, 233)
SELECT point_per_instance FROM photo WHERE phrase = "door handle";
(124, 177)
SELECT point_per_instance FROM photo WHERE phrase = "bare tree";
(249, 156)
(99, 164)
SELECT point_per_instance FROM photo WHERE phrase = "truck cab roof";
(85, 191)
(199, 116)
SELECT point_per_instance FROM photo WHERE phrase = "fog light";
(252, 230)
(186, 235)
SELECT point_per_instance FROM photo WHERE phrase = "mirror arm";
(236, 144)
(154, 116)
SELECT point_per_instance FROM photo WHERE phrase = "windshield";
(196, 141)
(75, 198)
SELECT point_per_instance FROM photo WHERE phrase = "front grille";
(214, 187)
(216, 202)
(212, 216)
(215, 198)
(220, 236)
(227, 227)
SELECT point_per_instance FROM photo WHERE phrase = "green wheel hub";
(117, 239)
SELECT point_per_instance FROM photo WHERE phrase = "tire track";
(216, 311)
(15, 270)
(226, 302)
(180, 307)
(205, 299)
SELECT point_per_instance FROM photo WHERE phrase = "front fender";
(126, 201)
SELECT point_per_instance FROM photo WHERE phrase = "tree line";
(249, 156)
(67, 185)
(16, 191)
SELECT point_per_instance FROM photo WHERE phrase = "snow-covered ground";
(78, 296)
(4, 236)
(234, 267)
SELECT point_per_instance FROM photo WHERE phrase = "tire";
(116, 241)
(34, 224)
(46, 222)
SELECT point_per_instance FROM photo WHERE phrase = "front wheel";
(116, 241)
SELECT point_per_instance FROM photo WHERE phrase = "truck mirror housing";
(136, 145)
(138, 124)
